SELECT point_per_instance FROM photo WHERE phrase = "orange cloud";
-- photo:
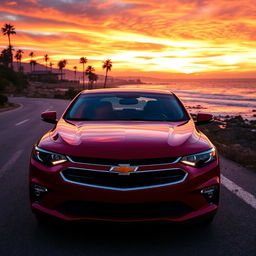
(161, 37)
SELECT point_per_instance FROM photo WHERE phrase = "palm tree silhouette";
(46, 58)
(107, 64)
(75, 69)
(31, 55)
(83, 60)
(62, 64)
(94, 78)
(90, 73)
(33, 64)
(5, 57)
(18, 57)
(9, 30)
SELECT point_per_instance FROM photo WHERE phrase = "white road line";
(10, 162)
(238, 191)
(22, 122)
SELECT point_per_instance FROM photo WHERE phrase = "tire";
(43, 219)
(207, 221)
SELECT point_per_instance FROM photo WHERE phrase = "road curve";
(233, 232)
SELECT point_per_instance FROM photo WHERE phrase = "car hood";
(124, 140)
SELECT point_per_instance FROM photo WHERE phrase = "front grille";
(133, 180)
(103, 161)
(124, 211)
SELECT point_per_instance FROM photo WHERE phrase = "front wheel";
(206, 221)
(41, 218)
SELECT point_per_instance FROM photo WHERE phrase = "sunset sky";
(157, 38)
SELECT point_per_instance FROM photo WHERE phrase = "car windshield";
(126, 106)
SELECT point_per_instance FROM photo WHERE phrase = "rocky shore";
(235, 138)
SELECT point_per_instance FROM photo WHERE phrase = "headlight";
(200, 159)
(48, 158)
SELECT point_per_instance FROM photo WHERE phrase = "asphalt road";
(233, 231)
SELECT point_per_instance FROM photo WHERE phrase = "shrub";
(8, 77)
(71, 93)
(3, 83)
(3, 99)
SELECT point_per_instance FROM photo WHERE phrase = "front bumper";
(185, 197)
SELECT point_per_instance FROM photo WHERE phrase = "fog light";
(36, 192)
(211, 194)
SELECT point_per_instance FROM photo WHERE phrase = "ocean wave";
(223, 103)
(228, 97)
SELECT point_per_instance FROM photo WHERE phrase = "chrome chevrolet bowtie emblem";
(123, 169)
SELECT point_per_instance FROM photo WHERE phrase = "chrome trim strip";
(107, 171)
(201, 153)
(69, 159)
(174, 162)
(127, 189)
(86, 169)
(204, 152)
(46, 151)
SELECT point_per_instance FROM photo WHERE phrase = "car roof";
(120, 90)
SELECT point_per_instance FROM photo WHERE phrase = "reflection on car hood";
(124, 139)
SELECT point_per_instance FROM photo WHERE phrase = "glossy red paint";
(116, 138)
(204, 118)
(125, 141)
(49, 116)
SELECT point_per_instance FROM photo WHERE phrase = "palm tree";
(9, 30)
(89, 72)
(51, 64)
(83, 60)
(33, 64)
(75, 69)
(18, 57)
(46, 58)
(5, 57)
(20, 52)
(62, 64)
(107, 64)
(94, 78)
(31, 55)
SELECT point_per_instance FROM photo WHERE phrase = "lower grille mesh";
(124, 211)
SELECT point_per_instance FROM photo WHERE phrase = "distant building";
(44, 76)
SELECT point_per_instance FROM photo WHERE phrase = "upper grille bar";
(111, 162)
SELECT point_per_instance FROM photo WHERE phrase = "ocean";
(220, 97)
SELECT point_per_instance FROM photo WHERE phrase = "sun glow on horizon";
(182, 37)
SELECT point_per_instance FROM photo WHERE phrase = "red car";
(125, 155)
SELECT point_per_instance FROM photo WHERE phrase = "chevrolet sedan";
(125, 155)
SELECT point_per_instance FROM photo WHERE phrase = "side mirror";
(49, 117)
(202, 118)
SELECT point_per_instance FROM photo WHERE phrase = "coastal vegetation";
(6, 60)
